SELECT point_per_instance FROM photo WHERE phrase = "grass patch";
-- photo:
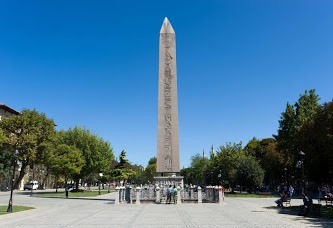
(248, 195)
(62, 194)
(326, 212)
(16, 208)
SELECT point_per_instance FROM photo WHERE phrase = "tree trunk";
(20, 177)
(44, 179)
(77, 184)
(56, 183)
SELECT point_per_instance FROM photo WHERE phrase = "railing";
(149, 194)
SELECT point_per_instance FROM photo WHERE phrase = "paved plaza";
(102, 212)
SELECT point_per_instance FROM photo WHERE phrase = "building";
(6, 111)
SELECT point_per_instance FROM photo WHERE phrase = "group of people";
(171, 194)
(325, 191)
(286, 191)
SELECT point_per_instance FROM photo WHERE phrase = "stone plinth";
(171, 180)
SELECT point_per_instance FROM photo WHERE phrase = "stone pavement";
(101, 212)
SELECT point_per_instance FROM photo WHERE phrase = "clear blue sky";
(95, 64)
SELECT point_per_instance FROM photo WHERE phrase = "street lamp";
(300, 164)
(219, 177)
(99, 184)
(302, 156)
(286, 179)
(211, 174)
(10, 203)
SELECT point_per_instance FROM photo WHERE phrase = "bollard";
(137, 201)
(158, 195)
(130, 200)
(123, 190)
(199, 195)
(220, 195)
(208, 193)
(216, 194)
(116, 201)
(179, 199)
(192, 192)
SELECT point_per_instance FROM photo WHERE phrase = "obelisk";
(167, 136)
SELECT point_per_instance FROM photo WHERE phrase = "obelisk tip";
(166, 26)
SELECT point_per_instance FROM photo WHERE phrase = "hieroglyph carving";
(169, 42)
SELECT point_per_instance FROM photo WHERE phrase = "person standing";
(174, 194)
(169, 192)
(67, 190)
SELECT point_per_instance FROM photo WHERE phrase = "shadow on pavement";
(74, 198)
(310, 220)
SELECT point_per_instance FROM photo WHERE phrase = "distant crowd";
(325, 191)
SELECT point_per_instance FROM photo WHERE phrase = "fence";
(156, 194)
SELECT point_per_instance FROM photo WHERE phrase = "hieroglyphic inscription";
(169, 42)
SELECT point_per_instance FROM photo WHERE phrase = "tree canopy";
(28, 134)
(64, 160)
(97, 153)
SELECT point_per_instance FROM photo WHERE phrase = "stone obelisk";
(167, 136)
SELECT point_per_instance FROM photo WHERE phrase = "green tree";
(3, 138)
(307, 107)
(249, 173)
(5, 158)
(150, 170)
(124, 171)
(225, 163)
(291, 122)
(252, 146)
(123, 161)
(5, 165)
(269, 157)
(316, 139)
(187, 174)
(139, 176)
(152, 160)
(199, 166)
(286, 137)
(63, 160)
(28, 135)
(98, 154)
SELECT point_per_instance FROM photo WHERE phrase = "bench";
(329, 201)
(264, 193)
(286, 201)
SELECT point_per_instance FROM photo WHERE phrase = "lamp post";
(99, 184)
(286, 176)
(212, 177)
(220, 177)
(301, 158)
(10, 203)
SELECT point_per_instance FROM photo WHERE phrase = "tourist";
(304, 209)
(67, 190)
(174, 194)
(169, 192)
(279, 202)
(290, 191)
